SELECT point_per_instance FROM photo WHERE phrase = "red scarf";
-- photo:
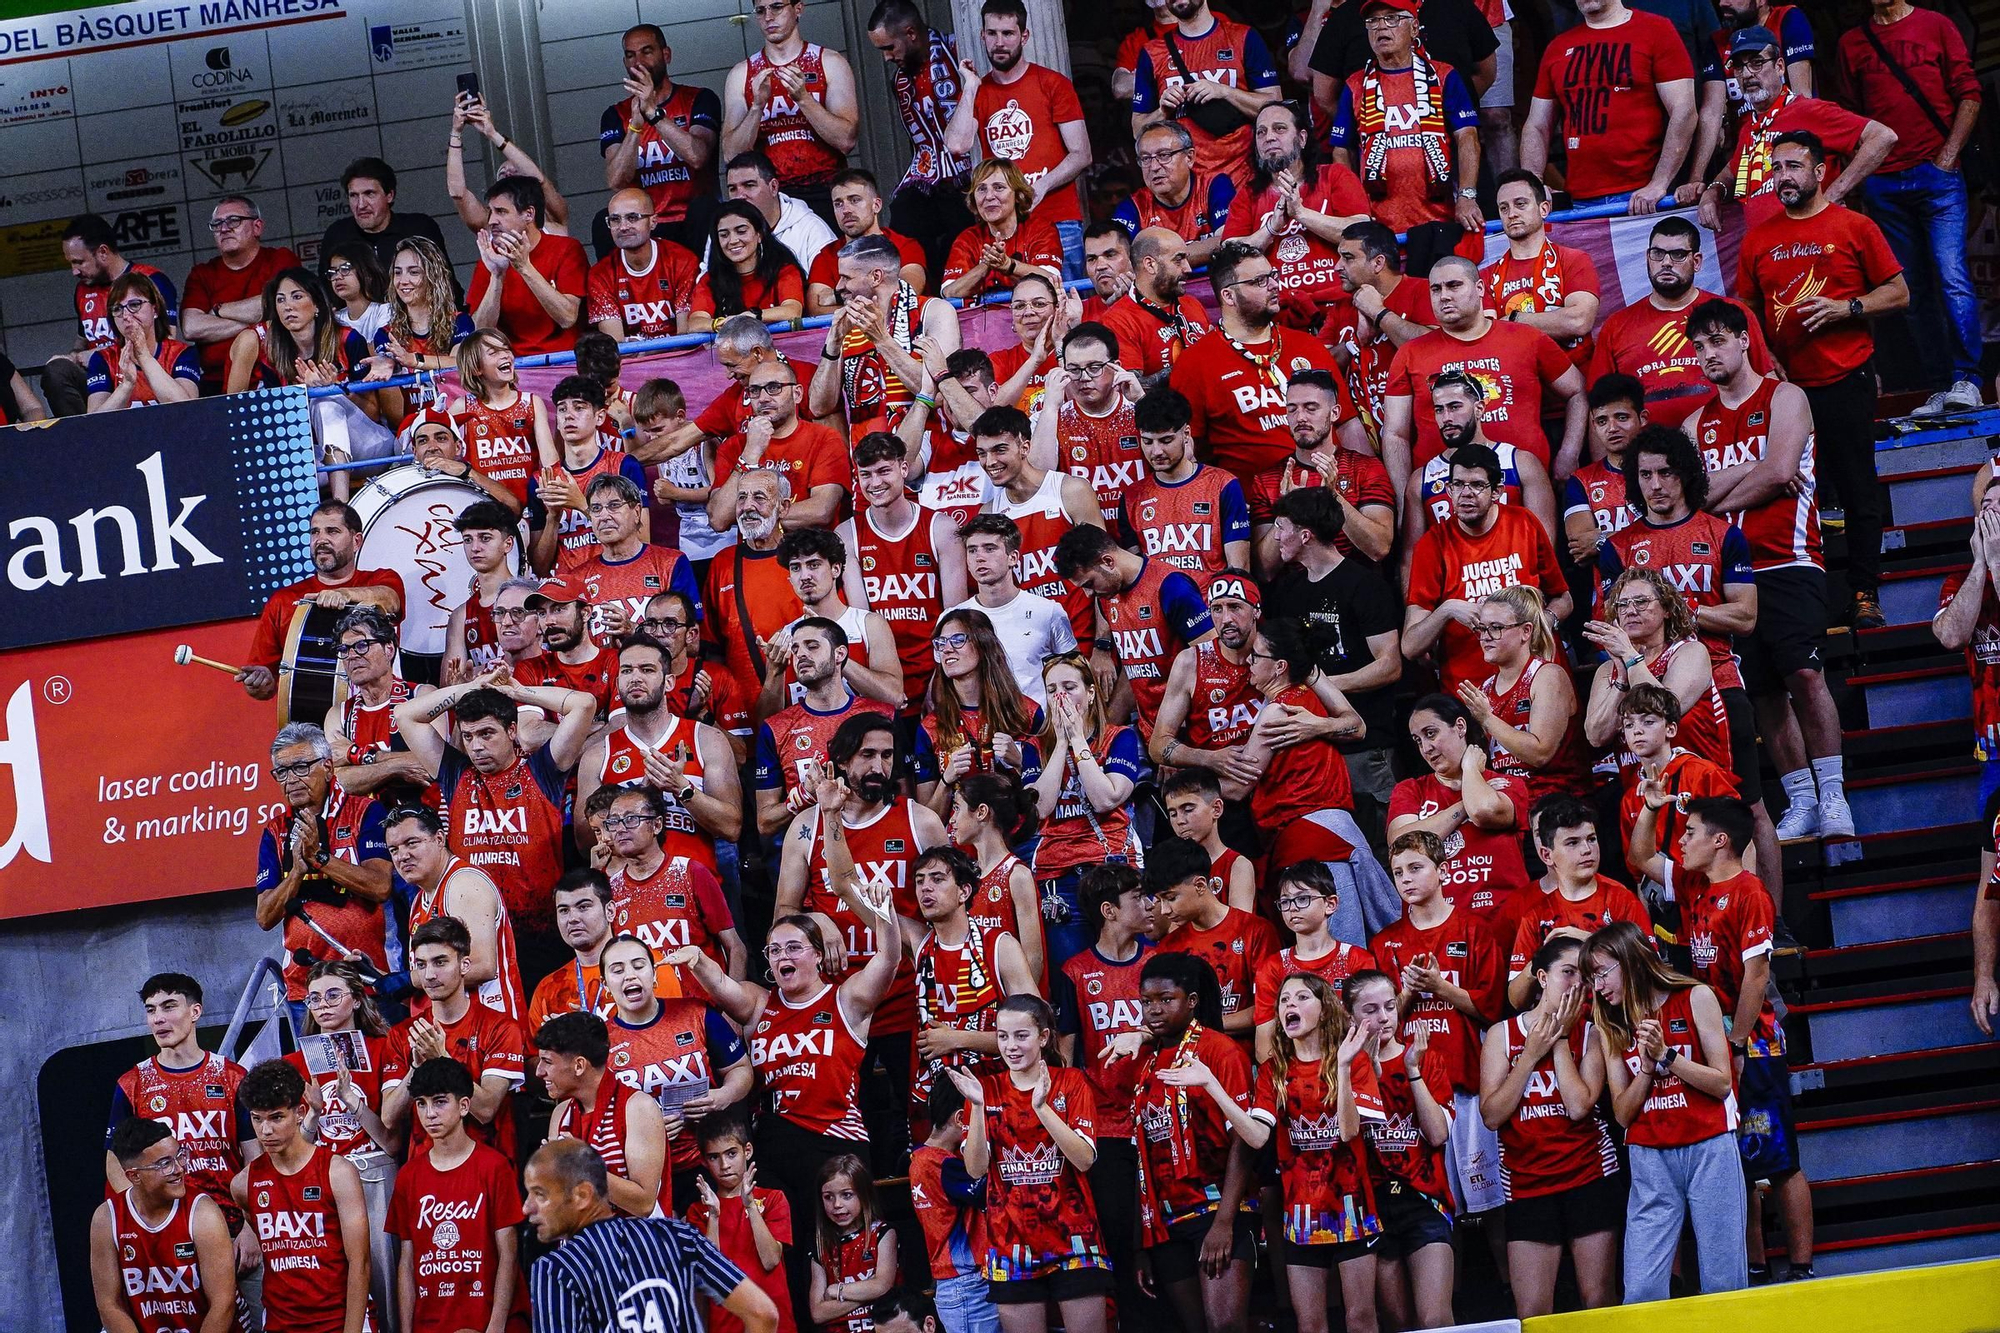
(1372, 120)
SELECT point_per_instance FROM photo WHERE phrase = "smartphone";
(468, 85)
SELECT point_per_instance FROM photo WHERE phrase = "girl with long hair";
(1667, 1055)
(1414, 1264)
(360, 289)
(345, 1091)
(425, 322)
(854, 1250)
(1006, 242)
(1031, 1131)
(975, 716)
(1527, 707)
(749, 269)
(1539, 1081)
(1192, 1177)
(1475, 813)
(991, 814)
(299, 340)
(1089, 767)
(506, 429)
(143, 364)
(1649, 637)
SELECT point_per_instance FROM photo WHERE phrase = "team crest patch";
(343, 832)
(263, 1198)
(1301, 363)
(1226, 53)
(1095, 985)
(621, 764)
(159, 1104)
(131, 1254)
(868, 562)
(803, 741)
(1642, 556)
(1081, 453)
(621, 1057)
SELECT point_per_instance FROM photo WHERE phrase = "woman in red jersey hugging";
(1031, 1130)
(1527, 707)
(1539, 1080)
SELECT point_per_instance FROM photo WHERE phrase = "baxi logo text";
(44, 558)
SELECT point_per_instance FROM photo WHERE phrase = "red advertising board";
(125, 778)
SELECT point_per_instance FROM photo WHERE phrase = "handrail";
(237, 1020)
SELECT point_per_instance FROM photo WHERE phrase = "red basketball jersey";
(1107, 1005)
(503, 992)
(669, 1052)
(1690, 556)
(625, 765)
(1565, 771)
(1677, 1114)
(297, 1226)
(810, 1063)
(1225, 705)
(900, 576)
(500, 441)
(1542, 1150)
(1784, 530)
(1104, 450)
(882, 848)
(1181, 523)
(199, 1104)
(783, 132)
(158, 1265)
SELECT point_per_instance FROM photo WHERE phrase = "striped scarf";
(1372, 118)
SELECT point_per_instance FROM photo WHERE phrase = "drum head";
(407, 518)
(309, 673)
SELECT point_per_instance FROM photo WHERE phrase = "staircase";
(1897, 1094)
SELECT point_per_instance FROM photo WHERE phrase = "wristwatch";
(1468, 194)
(685, 794)
(1854, 307)
(656, 115)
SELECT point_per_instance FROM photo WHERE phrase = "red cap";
(429, 416)
(1235, 583)
(556, 590)
(1409, 7)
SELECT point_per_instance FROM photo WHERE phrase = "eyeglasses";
(1655, 254)
(1751, 62)
(952, 642)
(359, 647)
(626, 821)
(1266, 280)
(1634, 603)
(768, 389)
(166, 1166)
(508, 615)
(662, 625)
(1090, 370)
(611, 506)
(230, 223)
(616, 219)
(298, 770)
(320, 999)
(133, 306)
(1381, 21)
(1298, 902)
(787, 950)
(1161, 158)
(765, 11)
(1489, 629)
(339, 270)
(1470, 487)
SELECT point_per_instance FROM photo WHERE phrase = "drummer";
(431, 436)
(336, 582)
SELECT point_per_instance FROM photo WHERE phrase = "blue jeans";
(963, 1305)
(1072, 243)
(1922, 211)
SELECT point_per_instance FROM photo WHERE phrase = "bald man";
(643, 288)
(1157, 320)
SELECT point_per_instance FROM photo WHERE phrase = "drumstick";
(186, 656)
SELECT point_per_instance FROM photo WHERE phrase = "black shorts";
(1330, 1256)
(1561, 1217)
(1744, 756)
(1764, 1133)
(1791, 625)
(1178, 1257)
(1065, 1284)
(1410, 1221)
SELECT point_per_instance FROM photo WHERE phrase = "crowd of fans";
(1169, 762)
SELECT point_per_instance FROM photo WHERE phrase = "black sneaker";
(1760, 1276)
(1799, 1273)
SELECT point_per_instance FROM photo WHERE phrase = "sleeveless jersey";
(1145, 638)
(1565, 771)
(199, 1104)
(511, 826)
(661, 172)
(167, 353)
(992, 905)
(957, 987)
(339, 1127)
(1783, 531)
(1676, 1115)
(371, 728)
(1543, 1151)
(883, 849)
(783, 132)
(576, 539)
(1603, 489)
(625, 766)
(855, 1257)
(1104, 997)
(93, 312)
(1221, 869)
(603, 1128)
(1104, 450)
(1437, 471)
(647, 303)
(900, 576)
(669, 1052)
(1043, 520)
(1703, 730)
(810, 1062)
(634, 581)
(482, 636)
(1225, 705)
(679, 904)
(503, 993)
(298, 1227)
(500, 441)
(1182, 524)
(1689, 555)
(162, 1276)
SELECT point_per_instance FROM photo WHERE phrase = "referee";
(616, 1274)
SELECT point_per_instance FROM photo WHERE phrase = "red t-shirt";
(1368, 372)
(790, 285)
(824, 268)
(1982, 663)
(1019, 121)
(1539, 911)
(1401, 1150)
(1235, 947)
(1651, 345)
(1360, 478)
(1727, 924)
(1332, 968)
(268, 644)
(212, 283)
(1482, 868)
(739, 1246)
(1931, 50)
(1308, 267)
(1604, 82)
(450, 1219)
(726, 415)
(1034, 242)
(954, 1232)
(1836, 254)
(528, 327)
(1329, 1198)
(812, 455)
(648, 304)
(1040, 1217)
(1239, 405)
(1749, 170)
(1450, 563)
(1148, 344)
(1515, 363)
(1301, 780)
(1467, 956)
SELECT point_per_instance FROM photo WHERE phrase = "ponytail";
(1013, 813)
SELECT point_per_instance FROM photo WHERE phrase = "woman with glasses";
(749, 271)
(1650, 638)
(1527, 707)
(975, 716)
(1083, 794)
(142, 364)
(1006, 243)
(354, 276)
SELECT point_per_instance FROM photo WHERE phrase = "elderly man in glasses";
(225, 295)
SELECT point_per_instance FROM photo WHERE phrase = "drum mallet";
(186, 656)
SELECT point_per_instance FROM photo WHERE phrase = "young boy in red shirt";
(751, 1225)
(951, 1206)
(1230, 940)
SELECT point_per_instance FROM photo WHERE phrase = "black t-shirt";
(1337, 615)
(401, 227)
(1453, 32)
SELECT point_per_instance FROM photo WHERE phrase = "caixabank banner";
(178, 514)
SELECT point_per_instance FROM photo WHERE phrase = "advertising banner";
(184, 513)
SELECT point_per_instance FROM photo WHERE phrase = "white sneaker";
(1934, 406)
(1835, 819)
(1965, 396)
(1802, 821)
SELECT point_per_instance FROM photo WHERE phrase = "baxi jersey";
(1565, 770)
(1151, 620)
(657, 169)
(1783, 531)
(882, 847)
(487, 1043)
(1199, 213)
(784, 134)
(1467, 956)
(856, 1257)
(1095, 1001)
(687, 1044)
(1229, 55)
(1225, 704)
(1186, 524)
(158, 1265)
(93, 307)
(1542, 1150)
(510, 824)
(624, 765)
(1040, 1216)
(340, 1126)
(1701, 556)
(678, 905)
(810, 1063)
(1043, 518)
(297, 1225)
(1103, 450)
(792, 742)
(901, 576)
(1482, 868)
(1677, 1114)
(647, 303)
(451, 1220)
(1599, 489)
(631, 583)
(500, 441)
(199, 1104)
(1360, 479)
(1076, 833)
(1329, 1198)
(576, 538)
(1433, 482)
(1237, 392)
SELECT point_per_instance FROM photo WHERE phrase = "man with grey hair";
(1191, 206)
(869, 364)
(742, 343)
(225, 295)
(624, 570)
(369, 757)
(324, 857)
(750, 595)
(813, 457)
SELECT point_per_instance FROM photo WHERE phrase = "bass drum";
(309, 676)
(407, 516)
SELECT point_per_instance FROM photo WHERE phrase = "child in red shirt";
(751, 1225)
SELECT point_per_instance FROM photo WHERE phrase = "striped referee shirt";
(626, 1274)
